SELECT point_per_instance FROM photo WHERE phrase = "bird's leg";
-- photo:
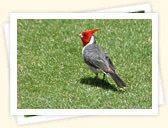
(96, 75)
(104, 75)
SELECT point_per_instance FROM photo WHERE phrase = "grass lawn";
(52, 73)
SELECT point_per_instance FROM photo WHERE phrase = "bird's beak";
(80, 35)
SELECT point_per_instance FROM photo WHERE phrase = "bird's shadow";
(98, 83)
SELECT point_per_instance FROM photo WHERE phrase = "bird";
(96, 59)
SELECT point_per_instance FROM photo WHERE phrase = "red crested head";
(86, 36)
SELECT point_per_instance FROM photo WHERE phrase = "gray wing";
(110, 63)
(96, 57)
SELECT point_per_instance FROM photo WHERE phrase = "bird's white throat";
(92, 40)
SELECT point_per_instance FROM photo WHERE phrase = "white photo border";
(34, 119)
(13, 63)
(125, 9)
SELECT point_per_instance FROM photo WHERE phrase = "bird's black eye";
(84, 34)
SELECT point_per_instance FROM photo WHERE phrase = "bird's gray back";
(95, 56)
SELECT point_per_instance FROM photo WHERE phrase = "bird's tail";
(120, 83)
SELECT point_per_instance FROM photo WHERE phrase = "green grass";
(52, 73)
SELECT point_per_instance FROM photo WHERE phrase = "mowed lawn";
(52, 73)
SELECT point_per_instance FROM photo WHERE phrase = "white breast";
(90, 42)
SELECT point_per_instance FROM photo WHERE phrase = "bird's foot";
(104, 76)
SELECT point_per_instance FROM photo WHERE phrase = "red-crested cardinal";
(96, 58)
